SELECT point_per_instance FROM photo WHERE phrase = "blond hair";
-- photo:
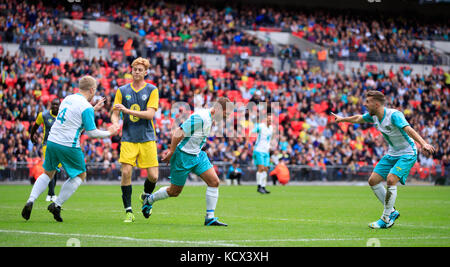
(376, 95)
(142, 61)
(87, 82)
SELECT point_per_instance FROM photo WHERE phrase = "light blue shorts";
(261, 158)
(182, 163)
(71, 158)
(400, 166)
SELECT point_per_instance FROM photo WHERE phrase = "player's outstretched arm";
(427, 149)
(351, 119)
(96, 133)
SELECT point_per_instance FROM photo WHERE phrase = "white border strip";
(227, 243)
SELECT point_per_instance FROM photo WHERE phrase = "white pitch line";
(278, 219)
(220, 243)
(337, 239)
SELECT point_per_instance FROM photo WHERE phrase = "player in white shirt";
(63, 146)
(261, 155)
(400, 158)
(185, 156)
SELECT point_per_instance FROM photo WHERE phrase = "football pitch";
(291, 216)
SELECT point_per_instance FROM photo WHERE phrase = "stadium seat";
(8, 124)
(114, 146)
(26, 125)
(423, 172)
(362, 56)
(297, 125)
(143, 173)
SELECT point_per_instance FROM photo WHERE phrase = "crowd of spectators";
(211, 29)
(33, 25)
(347, 34)
(306, 96)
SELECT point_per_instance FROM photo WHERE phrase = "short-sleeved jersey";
(196, 129)
(391, 126)
(136, 130)
(46, 119)
(262, 143)
(75, 114)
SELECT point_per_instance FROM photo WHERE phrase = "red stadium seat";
(8, 124)
(26, 125)
(114, 146)
(297, 125)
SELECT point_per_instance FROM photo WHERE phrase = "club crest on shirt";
(128, 97)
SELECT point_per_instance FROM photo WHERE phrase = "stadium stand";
(307, 93)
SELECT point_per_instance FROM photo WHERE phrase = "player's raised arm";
(351, 119)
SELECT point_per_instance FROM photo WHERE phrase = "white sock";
(159, 195)
(263, 179)
(391, 195)
(259, 178)
(212, 195)
(380, 192)
(67, 190)
(39, 186)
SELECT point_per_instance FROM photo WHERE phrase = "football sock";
(39, 186)
(67, 189)
(391, 195)
(259, 178)
(126, 197)
(51, 186)
(212, 195)
(380, 192)
(149, 186)
(263, 179)
(159, 195)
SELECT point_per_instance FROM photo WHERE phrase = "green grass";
(290, 216)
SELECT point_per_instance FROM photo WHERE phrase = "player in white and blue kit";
(63, 146)
(186, 156)
(400, 158)
(261, 155)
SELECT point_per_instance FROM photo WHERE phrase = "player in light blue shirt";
(185, 156)
(75, 114)
(261, 155)
(400, 158)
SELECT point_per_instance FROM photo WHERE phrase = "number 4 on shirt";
(61, 115)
